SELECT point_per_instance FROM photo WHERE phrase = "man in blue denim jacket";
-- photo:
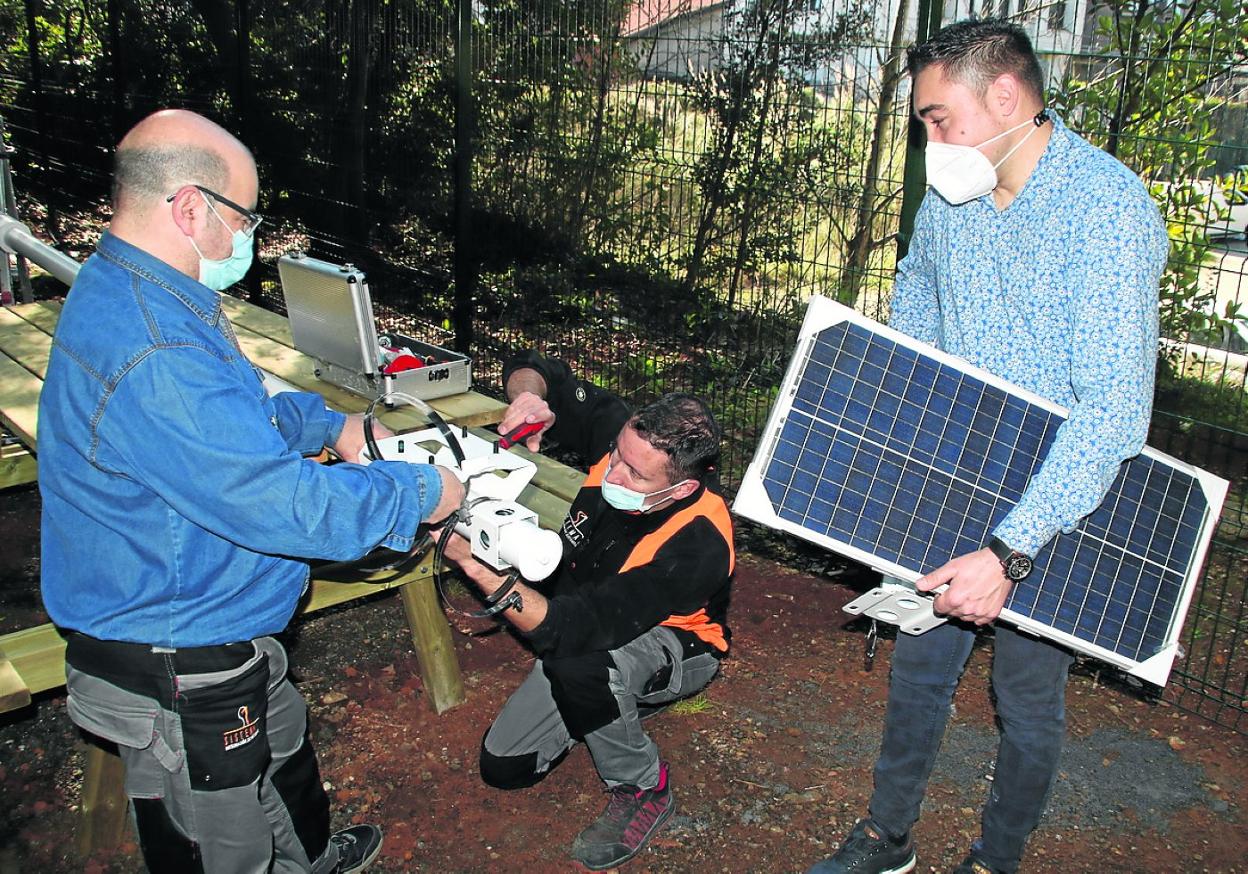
(177, 508)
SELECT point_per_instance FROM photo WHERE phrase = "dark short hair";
(976, 51)
(150, 172)
(682, 426)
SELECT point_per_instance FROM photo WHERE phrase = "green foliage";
(554, 133)
(1222, 403)
(763, 157)
(1147, 102)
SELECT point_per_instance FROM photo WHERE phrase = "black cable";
(501, 599)
(356, 565)
(430, 413)
(374, 451)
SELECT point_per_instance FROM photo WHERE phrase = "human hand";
(977, 587)
(528, 408)
(350, 442)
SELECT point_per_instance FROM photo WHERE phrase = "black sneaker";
(972, 864)
(868, 850)
(630, 820)
(357, 847)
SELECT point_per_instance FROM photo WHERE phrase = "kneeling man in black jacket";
(635, 616)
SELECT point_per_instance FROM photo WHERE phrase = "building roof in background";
(646, 14)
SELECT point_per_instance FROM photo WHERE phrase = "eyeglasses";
(252, 219)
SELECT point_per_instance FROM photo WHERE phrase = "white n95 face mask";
(962, 173)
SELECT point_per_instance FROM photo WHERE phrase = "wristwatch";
(1017, 565)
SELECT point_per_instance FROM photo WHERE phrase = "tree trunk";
(732, 120)
(861, 243)
(589, 173)
(772, 73)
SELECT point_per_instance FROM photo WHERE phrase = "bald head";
(171, 170)
(172, 148)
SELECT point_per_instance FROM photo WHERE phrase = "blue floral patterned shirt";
(1056, 293)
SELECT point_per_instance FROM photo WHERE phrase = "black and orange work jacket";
(624, 573)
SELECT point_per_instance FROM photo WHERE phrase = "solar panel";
(901, 456)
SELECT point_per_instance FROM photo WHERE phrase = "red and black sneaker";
(632, 817)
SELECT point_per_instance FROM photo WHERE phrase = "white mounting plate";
(897, 605)
(490, 472)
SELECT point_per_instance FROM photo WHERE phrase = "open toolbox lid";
(331, 320)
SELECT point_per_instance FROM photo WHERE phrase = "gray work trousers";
(218, 765)
(599, 698)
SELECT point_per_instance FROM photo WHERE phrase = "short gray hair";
(682, 426)
(145, 173)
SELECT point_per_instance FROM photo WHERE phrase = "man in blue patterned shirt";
(1037, 257)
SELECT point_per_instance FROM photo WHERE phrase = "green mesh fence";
(653, 189)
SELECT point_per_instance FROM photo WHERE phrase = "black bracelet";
(502, 598)
(512, 600)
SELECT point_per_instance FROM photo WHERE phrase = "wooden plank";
(328, 593)
(25, 343)
(42, 314)
(19, 400)
(14, 693)
(550, 509)
(471, 409)
(557, 479)
(257, 319)
(38, 656)
(104, 803)
(17, 466)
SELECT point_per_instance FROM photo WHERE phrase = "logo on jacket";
(244, 734)
(572, 527)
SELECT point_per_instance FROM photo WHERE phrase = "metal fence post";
(465, 270)
(113, 13)
(914, 183)
(242, 101)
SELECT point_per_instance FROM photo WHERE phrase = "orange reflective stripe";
(702, 626)
(713, 508)
(709, 505)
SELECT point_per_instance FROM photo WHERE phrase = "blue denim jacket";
(176, 498)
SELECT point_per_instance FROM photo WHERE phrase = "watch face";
(1018, 566)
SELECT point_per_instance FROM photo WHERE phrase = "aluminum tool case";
(331, 320)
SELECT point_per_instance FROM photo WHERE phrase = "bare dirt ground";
(768, 776)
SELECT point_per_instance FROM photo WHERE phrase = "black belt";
(136, 668)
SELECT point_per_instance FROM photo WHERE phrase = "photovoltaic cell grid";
(904, 457)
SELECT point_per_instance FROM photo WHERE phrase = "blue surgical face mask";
(629, 500)
(220, 273)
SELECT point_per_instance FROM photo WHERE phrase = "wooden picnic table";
(32, 660)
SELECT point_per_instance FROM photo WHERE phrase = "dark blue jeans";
(1029, 684)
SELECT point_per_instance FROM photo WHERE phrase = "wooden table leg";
(431, 635)
(104, 802)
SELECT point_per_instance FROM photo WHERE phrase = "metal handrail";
(16, 239)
